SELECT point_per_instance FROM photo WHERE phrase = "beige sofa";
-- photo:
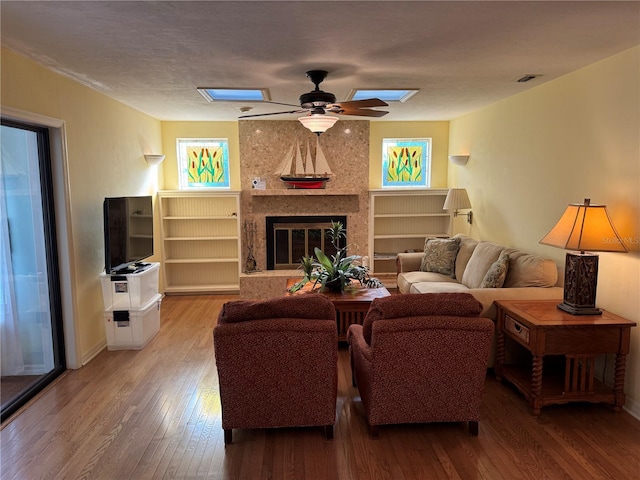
(527, 276)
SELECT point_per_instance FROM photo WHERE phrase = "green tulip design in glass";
(207, 165)
(405, 162)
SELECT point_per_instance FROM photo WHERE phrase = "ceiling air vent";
(528, 77)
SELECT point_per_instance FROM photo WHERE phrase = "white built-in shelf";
(186, 239)
(400, 220)
(200, 241)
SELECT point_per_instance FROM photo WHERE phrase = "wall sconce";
(459, 159)
(583, 227)
(457, 199)
(153, 159)
(318, 123)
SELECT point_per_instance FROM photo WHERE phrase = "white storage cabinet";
(131, 307)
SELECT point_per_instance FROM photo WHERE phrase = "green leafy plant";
(334, 272)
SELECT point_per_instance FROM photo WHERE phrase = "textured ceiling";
(462, 55)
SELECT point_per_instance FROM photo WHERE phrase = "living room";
(531, 154)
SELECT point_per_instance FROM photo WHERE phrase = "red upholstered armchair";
(277, 363)
(421, 358)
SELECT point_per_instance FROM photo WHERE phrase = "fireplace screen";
(291, 238)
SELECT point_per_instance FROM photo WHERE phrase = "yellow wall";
(572, 138)
(106, 141)
(174, 130)
(437, 131)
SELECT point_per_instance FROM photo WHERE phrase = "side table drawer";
(516, 329)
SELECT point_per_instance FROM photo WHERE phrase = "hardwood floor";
(155, 413)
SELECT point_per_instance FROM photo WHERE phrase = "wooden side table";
(351, 305)
(545, 331)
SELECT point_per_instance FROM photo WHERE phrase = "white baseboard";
(633, 407)
(93, 352)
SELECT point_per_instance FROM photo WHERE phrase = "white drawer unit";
(133, 290)
(133, 329)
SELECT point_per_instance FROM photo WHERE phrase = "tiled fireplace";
(346, 146)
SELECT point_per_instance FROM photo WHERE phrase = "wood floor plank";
(155, 414)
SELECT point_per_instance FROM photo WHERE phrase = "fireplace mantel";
(301, 191)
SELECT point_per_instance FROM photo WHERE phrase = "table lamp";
(583, 228)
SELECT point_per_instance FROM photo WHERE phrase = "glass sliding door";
(31, 338)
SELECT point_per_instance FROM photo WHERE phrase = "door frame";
(64, 237)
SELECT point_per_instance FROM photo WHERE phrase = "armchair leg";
(228, 436)
(473, 429)
(373, 431)
(328, 432)
(353, 372)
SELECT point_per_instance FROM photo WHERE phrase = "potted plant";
(334, 272)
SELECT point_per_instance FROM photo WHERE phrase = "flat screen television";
(128, 233)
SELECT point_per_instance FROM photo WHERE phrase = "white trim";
(632, 407)
(93, 352)
(62, 197)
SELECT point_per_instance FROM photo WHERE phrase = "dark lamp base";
(580, 281)
(579, 310)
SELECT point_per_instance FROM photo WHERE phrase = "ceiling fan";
(317, 103)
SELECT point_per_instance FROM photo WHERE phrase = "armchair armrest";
(355, 338)
(408, 262)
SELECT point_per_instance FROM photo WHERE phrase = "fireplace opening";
(292, 237)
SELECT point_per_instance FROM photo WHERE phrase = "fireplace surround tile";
(262, 146)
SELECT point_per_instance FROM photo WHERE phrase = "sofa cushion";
(438, 287)
(406, 279)
(440, 255)
(467, 246)
(497, 273)
(428, 304)
(481, 260)
(526, 270)
(311, 306)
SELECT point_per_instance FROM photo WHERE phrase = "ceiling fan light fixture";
(318, 123)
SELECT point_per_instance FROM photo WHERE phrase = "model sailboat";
(297, 173)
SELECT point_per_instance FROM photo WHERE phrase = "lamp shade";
(318, 123)
(585, 227)
(457, 199)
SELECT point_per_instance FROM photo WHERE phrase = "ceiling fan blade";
(363, 112)
(272, 113)
(280, 103)
(368, 102)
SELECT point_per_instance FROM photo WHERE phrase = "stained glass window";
(406, 162)
(203, 162)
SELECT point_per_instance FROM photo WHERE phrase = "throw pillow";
(497, 272)
(478, 265)
(440, 255)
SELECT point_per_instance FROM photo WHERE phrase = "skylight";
(234, 94)
(387, 95)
